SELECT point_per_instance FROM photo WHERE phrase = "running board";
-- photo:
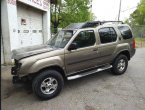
(89, 72)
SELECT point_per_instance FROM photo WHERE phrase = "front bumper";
(16, 80)
(14, 71)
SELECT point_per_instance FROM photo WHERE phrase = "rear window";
(125, 32)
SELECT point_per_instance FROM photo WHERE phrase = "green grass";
(140, 42)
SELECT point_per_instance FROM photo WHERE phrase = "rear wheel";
(120, 65)
(48, 84)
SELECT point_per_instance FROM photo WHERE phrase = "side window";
(85, 39)
(107, 35)
(125, 32)
(113, 34)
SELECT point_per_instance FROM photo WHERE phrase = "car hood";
(30, 51)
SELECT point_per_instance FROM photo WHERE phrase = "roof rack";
(112, 22)
(91, 24)
(96, 23)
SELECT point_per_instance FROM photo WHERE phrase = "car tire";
(120, 65)
(48, 84)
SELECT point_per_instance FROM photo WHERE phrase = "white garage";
(29, 25)
(24, 23)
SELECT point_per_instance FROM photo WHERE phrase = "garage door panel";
(24, 32)
(23, 10)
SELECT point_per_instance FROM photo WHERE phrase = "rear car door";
(85, 56)
(128, 38)
(108, 42)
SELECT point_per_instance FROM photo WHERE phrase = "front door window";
(85, 39)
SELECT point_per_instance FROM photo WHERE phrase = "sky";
(108, 9)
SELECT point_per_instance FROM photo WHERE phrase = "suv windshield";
(61, 38)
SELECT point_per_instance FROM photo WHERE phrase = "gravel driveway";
(100, 91)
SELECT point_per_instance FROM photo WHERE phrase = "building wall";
(5, 32)
(2, 54)
(9, 20)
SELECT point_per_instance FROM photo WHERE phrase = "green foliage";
(138, 31)
(73, 11)
(55, 15)
(138, 16)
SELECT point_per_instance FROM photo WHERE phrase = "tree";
(71, 11)
(75, 11)
(138, 16)
(55, 12)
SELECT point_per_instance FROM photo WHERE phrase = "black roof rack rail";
(96, 23)
(90, 24)
(112, 22)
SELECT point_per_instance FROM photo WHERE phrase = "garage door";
(29, 25)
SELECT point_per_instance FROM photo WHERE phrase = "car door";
(108, 43)
(85, 55)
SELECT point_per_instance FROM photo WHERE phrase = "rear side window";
(125, 32)
(107, 35)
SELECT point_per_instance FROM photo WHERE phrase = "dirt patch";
(108, 86)
(88, 107)
(8, 88)
(95, 90)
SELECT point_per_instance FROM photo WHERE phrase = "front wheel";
(48, 84)
(120, 65)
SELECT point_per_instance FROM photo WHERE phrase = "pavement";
(100, 91)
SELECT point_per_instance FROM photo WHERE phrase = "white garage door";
(29, 25)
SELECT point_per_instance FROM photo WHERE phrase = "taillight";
(133, 44)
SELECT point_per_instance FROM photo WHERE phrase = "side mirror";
(73, 46)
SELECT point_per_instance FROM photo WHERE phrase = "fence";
(139, 34)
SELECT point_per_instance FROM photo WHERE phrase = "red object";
(133, 44)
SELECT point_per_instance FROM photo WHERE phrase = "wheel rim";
(121, 65)
(49, 85)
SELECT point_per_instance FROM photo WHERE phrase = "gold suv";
(78, 50)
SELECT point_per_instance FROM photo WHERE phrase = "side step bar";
(89, 72)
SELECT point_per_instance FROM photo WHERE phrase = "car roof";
(93, 24)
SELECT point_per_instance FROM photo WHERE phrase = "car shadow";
(19, 90)
(104, 75)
